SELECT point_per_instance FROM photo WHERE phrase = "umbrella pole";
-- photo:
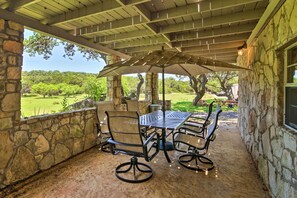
(163, 92)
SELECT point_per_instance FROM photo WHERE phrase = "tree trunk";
(141, 81)
(198, 84)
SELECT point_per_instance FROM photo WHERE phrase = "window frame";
(286, 84)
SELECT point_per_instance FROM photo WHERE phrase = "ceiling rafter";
(227, 19)
(222, 31)
(15, 5)
(206, 41)
(172, 13)
(58, 32)
(102, 7)
(214, 46)
(213, 21)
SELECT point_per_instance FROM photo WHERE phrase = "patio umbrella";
(170, 62)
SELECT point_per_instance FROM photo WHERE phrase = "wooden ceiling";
(209, 28)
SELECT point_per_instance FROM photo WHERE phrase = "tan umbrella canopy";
(170, 62)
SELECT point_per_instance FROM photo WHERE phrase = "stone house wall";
(261, 96)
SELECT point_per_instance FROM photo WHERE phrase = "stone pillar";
(155, 89)
(148, 87)
(114, 83)
(11, 50)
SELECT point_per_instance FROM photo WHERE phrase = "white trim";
(286, 84)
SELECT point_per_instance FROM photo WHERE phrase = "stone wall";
(35, 144)
(11, 49)
(44, 141)
(261, 94)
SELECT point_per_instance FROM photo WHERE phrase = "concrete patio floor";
(91, 174)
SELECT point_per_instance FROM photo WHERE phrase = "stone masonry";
(151, 88)
(38, 143)
(261, 94)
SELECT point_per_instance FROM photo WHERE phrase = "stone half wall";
(44, 141)
(261, 94)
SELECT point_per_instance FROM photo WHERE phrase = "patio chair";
(126, 138)
(132, 105)
(196, 124)
(196, 147)
(102, 127)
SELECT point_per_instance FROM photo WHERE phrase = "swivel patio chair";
(102, 127)
(196, 124)
(126, 138)
(132, 105)
(196, 146)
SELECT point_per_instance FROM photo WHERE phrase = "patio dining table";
(171, 121)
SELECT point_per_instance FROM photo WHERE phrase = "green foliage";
(65, 104)
(95, 88)
(175, 86)
(42, 44)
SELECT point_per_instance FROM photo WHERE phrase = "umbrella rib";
(184, 69)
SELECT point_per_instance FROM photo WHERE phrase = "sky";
(58, 62)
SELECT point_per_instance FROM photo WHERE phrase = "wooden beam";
(57, 32)
(12, 5)
(122, 36)
(221, 39)
(197, 8)
(145, 16)
(213, 21)
(138, 42)
(216, 52)
(144, 48)
(101, 7)
(106, 27)
(214, 46)
(270, 11)
(222, 31)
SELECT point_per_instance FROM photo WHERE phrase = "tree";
(225, 80)
(141, 81)
(198, 84)
(42, 44)
(95, 88)
(40, 88)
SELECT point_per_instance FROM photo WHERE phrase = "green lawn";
(33, 105)
(37, 105)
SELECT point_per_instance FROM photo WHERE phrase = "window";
(291, 88)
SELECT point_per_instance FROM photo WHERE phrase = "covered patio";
(57, 154)
(91, 174)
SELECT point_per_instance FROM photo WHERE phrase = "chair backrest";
(132, 105)
(213, 126)
(209, 110)
(101, 107)
(124, 128)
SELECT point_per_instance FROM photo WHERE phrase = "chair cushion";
(194, 141)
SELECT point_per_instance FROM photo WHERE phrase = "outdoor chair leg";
(135, 165)
(201, 163)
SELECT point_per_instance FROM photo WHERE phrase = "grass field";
(33, 105)
(37, 105)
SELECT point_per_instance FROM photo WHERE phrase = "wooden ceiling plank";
(57, 32)
(213, 21)
(214, 46)
(139, 42)
(213, 33)
(192, 9)
(123, 36)
(105, 6)
(117, 24)
(15, 5)
(144, 48)
(221, 39)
